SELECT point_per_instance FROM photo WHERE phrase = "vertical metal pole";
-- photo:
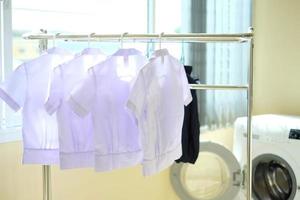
(43, 45)
(6, 52)
(150, 23)
(46, 182)
(249, 121)
(2, 113)
(150, 16)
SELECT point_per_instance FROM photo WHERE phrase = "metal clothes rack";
(192, 37)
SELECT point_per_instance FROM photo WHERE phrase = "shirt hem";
(9, 100)
(41, 156)
(117, 161)
(161, 162)
(77, 160)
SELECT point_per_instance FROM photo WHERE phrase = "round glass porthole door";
(216, 175)
(273, 178)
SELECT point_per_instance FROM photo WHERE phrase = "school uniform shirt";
(75, 133)
(28, 88)
(191, 126)
(157, 100)
(104, 94)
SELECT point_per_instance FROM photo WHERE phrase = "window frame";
(6, 57)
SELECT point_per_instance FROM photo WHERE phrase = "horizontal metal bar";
(193, 37)
(218, 87)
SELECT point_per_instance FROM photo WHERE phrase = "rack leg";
(43, 44)
(249, 122)
(46, 182)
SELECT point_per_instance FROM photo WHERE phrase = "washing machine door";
(273, 178)
(216, 175)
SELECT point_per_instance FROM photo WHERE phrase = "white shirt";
(28, 88)
(157, 99)
(75, 133)
(104, 93)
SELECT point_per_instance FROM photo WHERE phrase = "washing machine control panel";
(294, 134)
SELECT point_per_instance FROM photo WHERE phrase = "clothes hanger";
(122, 39)
(56, 49)
(89, 36)
(149, 48)
(88, 48)
(188, 68)
(159, 45)
(160, 38)
(54, 40)
(134, 42)
(182, 52)
(54, 37)
(125, 52)
(89, 40)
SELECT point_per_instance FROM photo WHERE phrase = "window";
(71, 16)
(212, 63)
(219, 63)
(168, 20)
(7, 118)
(19, 17)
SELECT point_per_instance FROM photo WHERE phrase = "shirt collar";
(91, 51)
(160, 52)
(57, 50)
(127, 52)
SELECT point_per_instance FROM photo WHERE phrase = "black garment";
(191, 126)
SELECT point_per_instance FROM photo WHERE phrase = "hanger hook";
(88, 40)
(182, 52)
(122, 38)
(160, 38)
(54, 38)
(89, 36)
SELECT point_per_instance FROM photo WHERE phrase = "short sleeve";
(13, 89)
(83, 95)
(187, 96)
(56, 91)
(137, 95)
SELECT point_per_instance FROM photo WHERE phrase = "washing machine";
(219, 173)
(275, 155)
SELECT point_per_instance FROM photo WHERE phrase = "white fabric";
(75, 133)
(104, 93)
(157, 99)
(28, 88)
